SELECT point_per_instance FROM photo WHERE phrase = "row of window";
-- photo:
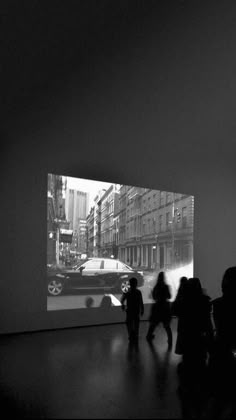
(152, 199)
(149, 226)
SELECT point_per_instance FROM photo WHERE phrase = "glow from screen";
(101, 234)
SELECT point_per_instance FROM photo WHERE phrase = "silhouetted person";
(174, 309)
(224, 312)
(89, 301)
(195, 330)
(132, 302)
(106, 302)
(161, 309)
(194, 337)
(222, 363)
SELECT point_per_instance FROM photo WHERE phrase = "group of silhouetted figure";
(206, 339)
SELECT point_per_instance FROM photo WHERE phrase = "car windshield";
(127, 266)
(77, 265)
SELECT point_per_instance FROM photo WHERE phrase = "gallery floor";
(89, 372)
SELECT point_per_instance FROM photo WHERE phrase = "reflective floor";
(89, 372)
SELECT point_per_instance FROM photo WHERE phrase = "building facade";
(76, 209)
(142, 227)
(91, 233)
(55, 217)
(108, 214)
(145, 228)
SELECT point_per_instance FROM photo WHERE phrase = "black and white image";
(101, 234)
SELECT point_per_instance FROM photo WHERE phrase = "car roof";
(101, 258)
(104, 259)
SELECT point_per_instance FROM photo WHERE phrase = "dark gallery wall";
(139, 93)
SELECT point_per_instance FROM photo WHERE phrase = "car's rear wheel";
(55, 287)
(125, 286)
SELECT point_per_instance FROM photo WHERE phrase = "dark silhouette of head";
(89, 302)
(194, 287)
(182, 283)
(161, 279)
(228, 284)
(133, 283)
(183, 280)
(106, 302)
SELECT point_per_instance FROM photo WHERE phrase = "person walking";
(161, 309)
(195, 329)
(132, 303)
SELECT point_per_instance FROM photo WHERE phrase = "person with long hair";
(195, 330)
(161, 309)
(194, 335)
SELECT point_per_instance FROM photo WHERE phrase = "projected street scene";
(99, 235)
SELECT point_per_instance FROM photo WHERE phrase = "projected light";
(101, 234)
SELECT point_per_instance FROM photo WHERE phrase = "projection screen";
(101, 234)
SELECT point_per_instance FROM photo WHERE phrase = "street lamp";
(172, 230)
(155, 248)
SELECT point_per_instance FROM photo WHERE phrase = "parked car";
(95, 273)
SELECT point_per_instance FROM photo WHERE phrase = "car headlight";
(60, 275)
(140, 272)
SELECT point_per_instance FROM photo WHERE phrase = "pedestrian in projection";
(161, 309)
(132, 303)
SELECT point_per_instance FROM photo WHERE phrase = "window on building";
(162, 198)
(154, 201)
(168, 197)
(168, 220)
(144, 205)
(144, 227)
(154, 224)
(184, 216)
(160, 222)
(144, 254)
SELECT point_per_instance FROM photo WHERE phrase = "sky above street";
(87, 185)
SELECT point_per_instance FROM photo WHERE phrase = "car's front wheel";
(125, 286)
(55, 287)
